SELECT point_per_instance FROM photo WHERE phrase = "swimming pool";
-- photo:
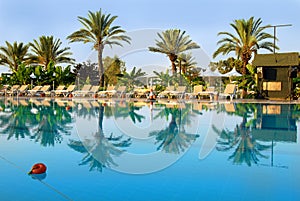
(123, 150)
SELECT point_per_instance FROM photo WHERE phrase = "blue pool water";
(121, 150)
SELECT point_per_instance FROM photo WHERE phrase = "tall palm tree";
(249, 37)
(12, 55)
(98, 30)
(47, 49)
(172, 43)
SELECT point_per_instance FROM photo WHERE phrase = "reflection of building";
(275, 73)
(275, 123)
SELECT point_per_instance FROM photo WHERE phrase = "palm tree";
(186, 62)
(248, 39)
(163, 78)
(98, 30)
(131, 79)
(172, 43)
(47, 49)
(13, 54)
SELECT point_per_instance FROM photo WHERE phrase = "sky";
(24, 21)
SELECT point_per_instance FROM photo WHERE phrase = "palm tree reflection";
(174, 139)
(14, 123)
(100, 150)
(43, 123)
(247, 149)
(50, 123)
(129, 109)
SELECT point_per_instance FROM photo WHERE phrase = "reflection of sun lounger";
(229, 107)
(60, 103)
(46, 103)
(95, 103)
(23, 102)
(175, 105)
(86, 104)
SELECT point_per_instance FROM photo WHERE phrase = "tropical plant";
(250, 37)
(225, 66)
(47, 49)
(113, 68)
(13, 55)
(173, 42)
(22, 75)
(165, 79)
(99, 31)
(131, 79)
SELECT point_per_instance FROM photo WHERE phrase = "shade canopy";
(209, 73)
(232, 73)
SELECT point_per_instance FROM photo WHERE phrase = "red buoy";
(38, 168)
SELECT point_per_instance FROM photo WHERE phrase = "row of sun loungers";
(112, 91)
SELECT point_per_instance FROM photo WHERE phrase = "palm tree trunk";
(101, 116)
(173, 58)
(100, 65)
(244, 92)
(180, 69)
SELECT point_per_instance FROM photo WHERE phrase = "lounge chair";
(84, 90)
(58, 91)
(68, 91)
(93, 91)
(230, 90)
(166, 92)
(13, 90)
(210, 91)
(34, 90)
(23, 90)
(178, 93)
(121, 91)
(110, 90)
(3, 90)
(39, 90)
(196, 90)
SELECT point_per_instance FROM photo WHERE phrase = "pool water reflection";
(121, 150)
